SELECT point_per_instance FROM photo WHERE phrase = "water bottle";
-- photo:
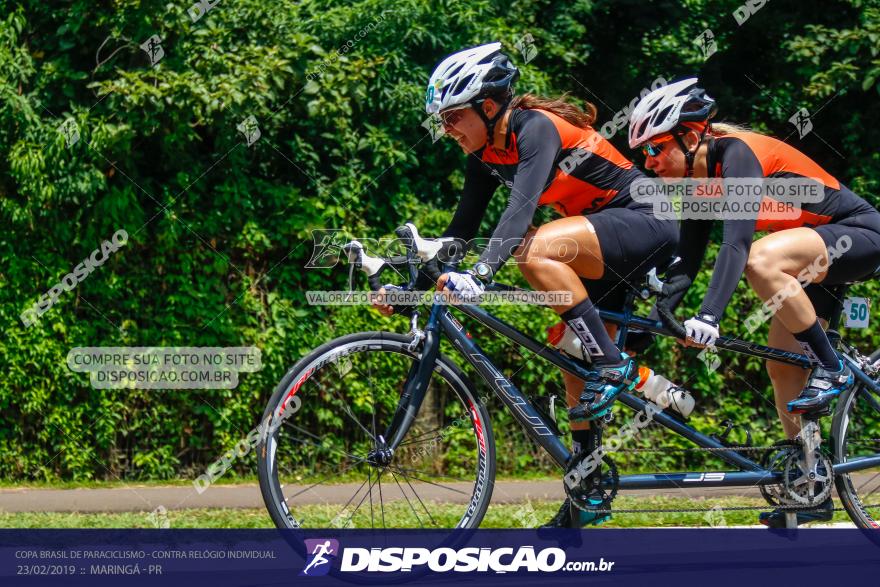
(664, 392)
(564, 339)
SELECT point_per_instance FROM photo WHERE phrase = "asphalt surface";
(139, 498)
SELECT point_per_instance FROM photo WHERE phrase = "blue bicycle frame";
(748, 473)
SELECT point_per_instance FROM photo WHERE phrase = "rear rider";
(547, 153)
(672, 125)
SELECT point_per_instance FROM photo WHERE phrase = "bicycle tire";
(295, 383)
(848, 491)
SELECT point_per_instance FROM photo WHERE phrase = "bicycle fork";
(416, 386)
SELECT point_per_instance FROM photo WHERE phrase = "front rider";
(546, 152)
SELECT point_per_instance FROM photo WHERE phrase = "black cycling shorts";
(859, 261)
(632, 241)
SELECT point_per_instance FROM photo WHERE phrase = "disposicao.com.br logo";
(440, 560)
(321, 553)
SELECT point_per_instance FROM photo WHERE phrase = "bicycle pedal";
(815, 414)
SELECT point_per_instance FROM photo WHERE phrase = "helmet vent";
(661, 115)
(454, 71)
(462, 84)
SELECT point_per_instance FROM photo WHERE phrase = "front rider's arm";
(538, 143)
(479, 186)
(739, 162)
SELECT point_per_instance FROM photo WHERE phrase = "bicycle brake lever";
(368, 264)
(654, 283)
(426, 249)
(356, 254)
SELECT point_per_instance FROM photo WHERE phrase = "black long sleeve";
(539, 144)
(479, 186)
(739, 161)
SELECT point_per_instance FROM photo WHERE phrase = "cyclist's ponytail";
(719, 129)
(571, 113)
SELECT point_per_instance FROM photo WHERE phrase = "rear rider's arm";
(729, 266)
(538, 143)
(739, 161)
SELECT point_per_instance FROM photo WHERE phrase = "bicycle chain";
(726, 509)
(794, 507)
(713, 449)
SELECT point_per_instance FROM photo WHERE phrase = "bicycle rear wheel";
(317, 457)
(856, 433)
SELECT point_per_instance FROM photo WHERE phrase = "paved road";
(135, 498)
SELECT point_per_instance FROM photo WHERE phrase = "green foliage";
(220, 232)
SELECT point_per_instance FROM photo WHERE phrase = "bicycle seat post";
(622, 331)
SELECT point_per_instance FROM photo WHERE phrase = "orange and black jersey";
(547, 161)
(752, 155)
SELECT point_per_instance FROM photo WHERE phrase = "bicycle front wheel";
(319, 461)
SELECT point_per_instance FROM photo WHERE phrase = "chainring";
(774, 493)
(797, 479)
(592, 486)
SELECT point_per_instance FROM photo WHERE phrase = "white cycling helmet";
(470, 75)
(665, 108)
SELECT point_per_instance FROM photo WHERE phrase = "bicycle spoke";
(347, 409)
(419, 438)
(871, 400)
(418, 519)
(381, 499)
(361, 502)
(336, 450)
(434, 522)
(372, 518)
(402, 471)
(297, 494)
(870, 494)
(372, 393)
(868, 482)
(351, 499)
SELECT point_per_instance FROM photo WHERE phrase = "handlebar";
(425, 249)
(669, 321)
(429, 253)
(424, 253)
(370, 265)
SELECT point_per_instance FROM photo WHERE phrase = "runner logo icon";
(320, 555)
